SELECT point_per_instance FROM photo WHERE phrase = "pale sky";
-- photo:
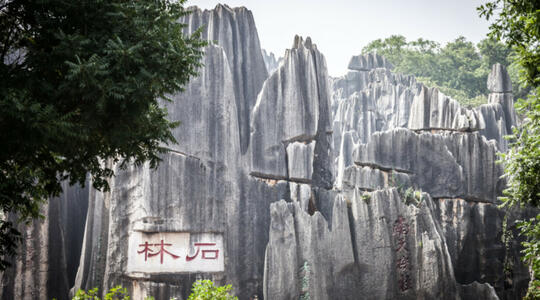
(341, 28)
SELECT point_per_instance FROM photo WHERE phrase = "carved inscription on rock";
(175, 252)
(400, 232)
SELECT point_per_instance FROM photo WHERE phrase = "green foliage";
(115, 293)
(205, 290)
(411, 196)
(305, 276)
(530, 229)
(506, 238)
(9, 237)
(79, 85)
(459, 95)
(459, 69)
(522, 162)
(517, 23)
(408, 195)
(366, 197)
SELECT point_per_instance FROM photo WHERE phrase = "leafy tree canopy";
(79, 85)
(517, 23)
(206, 290)
(459, 69)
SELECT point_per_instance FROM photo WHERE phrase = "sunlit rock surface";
(367, 186)
(234, 30)
(270, 60)
(50, 250)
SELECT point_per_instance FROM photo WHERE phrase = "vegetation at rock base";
(459, 69)
(409, 195)
(206, 290)
(517, 24)
(201, 290)
(305, 276)
(115, 293)
(79, 85)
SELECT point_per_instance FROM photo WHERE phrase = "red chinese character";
(403, 263)
(404, 282)
(215, 252)
(400, 227)
(401, 244)
(146, 250)
(162, 250)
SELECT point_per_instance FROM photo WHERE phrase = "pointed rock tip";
(308, 43)
(298, 41)
(369, 61)
(498, 80)
(222, 6)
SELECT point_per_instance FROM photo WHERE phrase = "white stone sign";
(175, 252)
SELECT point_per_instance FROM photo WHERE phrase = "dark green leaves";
(517, 23)
(84, 91)
(459, 69)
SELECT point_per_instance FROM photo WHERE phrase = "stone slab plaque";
(175, 252)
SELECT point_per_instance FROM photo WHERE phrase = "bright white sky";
(341, 28)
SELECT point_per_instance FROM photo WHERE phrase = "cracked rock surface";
(366, 186)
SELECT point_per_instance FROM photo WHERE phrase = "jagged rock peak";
(498, 80)
(368, 62)
(300, 43)
(234, 30)
(293, 106)
(219, 7)
(270, 60)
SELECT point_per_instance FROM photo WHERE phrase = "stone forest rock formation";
(366, 186)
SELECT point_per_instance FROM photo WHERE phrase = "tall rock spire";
(500, 86)
(293, 106)
(234, 30)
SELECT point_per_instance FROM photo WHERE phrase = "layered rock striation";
(234, 30)
(49, 253)
(367, 186)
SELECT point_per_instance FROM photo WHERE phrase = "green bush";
(206, 290)
(530, 229)
(115, 293)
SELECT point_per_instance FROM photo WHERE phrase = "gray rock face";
(301, 257)
(477, 290)
(49, 255)
(403, 255)
(370, 178)
(433, 110)
(292, 106)
(506, 100)
(234, 30)
(500, 86)
(367, 186)
(496, 126)
(499, 80)
(300, 161)
(207, 129)
(201, 186)
(270, 61)
(473, 233)
(368, 62)
(444, 165)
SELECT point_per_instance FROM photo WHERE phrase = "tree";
(79, 85)
(206, 290)
(517, 23)
(459, 69)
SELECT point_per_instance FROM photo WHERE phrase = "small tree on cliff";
(518, 25)
(79, 84)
